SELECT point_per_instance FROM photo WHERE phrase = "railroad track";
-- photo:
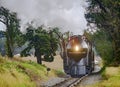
(70, 82)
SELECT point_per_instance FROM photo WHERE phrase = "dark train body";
(78, 56)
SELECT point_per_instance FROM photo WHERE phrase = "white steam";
(65, 14)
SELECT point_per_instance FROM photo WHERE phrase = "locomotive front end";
(79, 56)
(76, 48)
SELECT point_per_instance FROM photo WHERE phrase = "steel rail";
(70, 82)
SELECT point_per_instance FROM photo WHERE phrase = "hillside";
(18, 73)
(57, 64)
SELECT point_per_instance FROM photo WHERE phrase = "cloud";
(65, 14)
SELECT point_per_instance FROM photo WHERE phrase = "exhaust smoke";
(68, 15)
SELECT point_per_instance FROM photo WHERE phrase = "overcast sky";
(65, 14)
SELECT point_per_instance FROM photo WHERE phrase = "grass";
(111, 78)
(15, 79)
(11, 77)
(17, 73)
(35, 69)
(59, 73)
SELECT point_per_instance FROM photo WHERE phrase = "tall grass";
(15, 79)
(111, 78)
(35, 69)
(11, 77)
(17, 73)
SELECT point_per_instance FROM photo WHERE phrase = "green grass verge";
(16, 73)
(10, 76)
(111, 78)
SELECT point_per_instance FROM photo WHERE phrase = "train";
(78, 57)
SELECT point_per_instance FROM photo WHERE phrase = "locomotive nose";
(77, 49)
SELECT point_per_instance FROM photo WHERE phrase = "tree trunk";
(8, 47)
(39, 61)
(38, 56)
(117, 53)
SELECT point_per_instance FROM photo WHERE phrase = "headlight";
(77, 48)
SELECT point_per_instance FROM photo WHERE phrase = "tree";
(12, 33)
(63, 40)
(44, 43)
(106, 15)
(102, 44)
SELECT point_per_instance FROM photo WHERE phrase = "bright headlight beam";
(76, 48)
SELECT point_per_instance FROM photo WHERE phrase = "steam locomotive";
(78, 56)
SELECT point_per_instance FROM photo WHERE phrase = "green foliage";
(103, 45)
(48, 58)
(12, 33)
(44, 42)
(106, 15)
(105, 50)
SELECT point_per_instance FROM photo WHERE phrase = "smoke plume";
(68, 15)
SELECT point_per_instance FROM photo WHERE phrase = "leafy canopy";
(12, 33)
(44, 42)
